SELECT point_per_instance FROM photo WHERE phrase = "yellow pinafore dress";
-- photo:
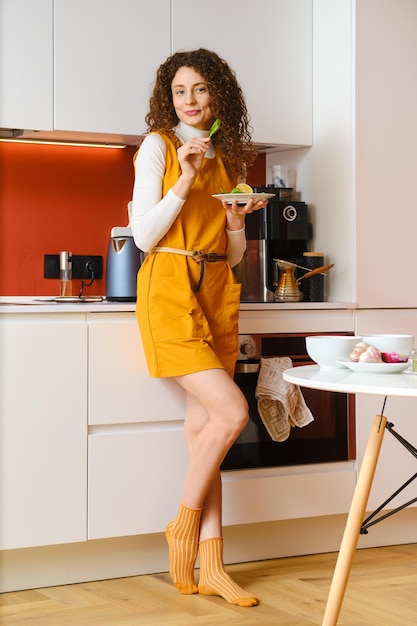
(184, 331)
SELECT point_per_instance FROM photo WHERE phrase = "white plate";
(375, 368)
(243, 198)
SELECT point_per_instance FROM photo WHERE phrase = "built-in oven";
(329, 438)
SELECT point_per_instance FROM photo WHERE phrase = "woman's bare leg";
(216, 414)
(227, 412)
(211, 519)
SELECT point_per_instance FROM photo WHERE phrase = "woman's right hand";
(191, 155)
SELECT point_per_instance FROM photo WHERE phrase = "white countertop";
(43, 304)
(346, 381)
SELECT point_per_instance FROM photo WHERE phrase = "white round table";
(346, 381)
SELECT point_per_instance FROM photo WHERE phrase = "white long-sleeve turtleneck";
(152, 214)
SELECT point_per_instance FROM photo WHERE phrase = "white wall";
(386, 142)
(324, 173)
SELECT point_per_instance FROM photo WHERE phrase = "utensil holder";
(313, 288)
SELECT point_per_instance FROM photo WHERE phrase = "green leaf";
(214, 127)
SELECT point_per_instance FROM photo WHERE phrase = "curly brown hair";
(227, 103)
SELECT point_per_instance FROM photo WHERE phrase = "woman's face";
(191, 98)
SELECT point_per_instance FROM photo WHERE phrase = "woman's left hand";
(236, 213)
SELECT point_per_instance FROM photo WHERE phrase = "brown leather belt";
(199, 257)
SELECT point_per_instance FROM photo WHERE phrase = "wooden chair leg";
(354, 523)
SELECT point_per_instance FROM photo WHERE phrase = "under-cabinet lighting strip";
(82, 144)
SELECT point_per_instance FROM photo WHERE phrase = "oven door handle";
(247, 368)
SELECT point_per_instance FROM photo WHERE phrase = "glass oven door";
(329, 438)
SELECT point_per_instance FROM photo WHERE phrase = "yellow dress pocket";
(174, 312)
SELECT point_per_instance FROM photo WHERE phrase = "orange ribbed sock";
(214, 581)
(182, 537)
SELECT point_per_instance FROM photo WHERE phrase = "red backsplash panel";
(55, 198)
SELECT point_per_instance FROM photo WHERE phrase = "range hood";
(69, 137)
(12, 133)
(109, 139)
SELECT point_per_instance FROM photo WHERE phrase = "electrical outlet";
(83, 265)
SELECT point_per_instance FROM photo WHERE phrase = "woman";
(188, 298)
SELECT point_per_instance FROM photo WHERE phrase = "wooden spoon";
(317, 270)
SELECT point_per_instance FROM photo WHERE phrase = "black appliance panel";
(281, 219)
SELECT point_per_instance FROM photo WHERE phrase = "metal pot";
(287, 289)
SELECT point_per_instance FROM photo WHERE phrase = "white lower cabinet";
(135, 480)
(43, 430)
(136, 452)
(120, 390)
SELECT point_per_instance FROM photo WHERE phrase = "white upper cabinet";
(269, 45)
(88, 67)
(106, 56)
(26, 63)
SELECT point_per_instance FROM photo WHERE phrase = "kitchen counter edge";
(40, 304)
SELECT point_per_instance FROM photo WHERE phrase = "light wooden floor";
(382, 591)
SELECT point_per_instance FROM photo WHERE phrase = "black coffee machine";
(279, 231)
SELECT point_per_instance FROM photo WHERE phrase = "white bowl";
(327, 350)
(401, 344)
